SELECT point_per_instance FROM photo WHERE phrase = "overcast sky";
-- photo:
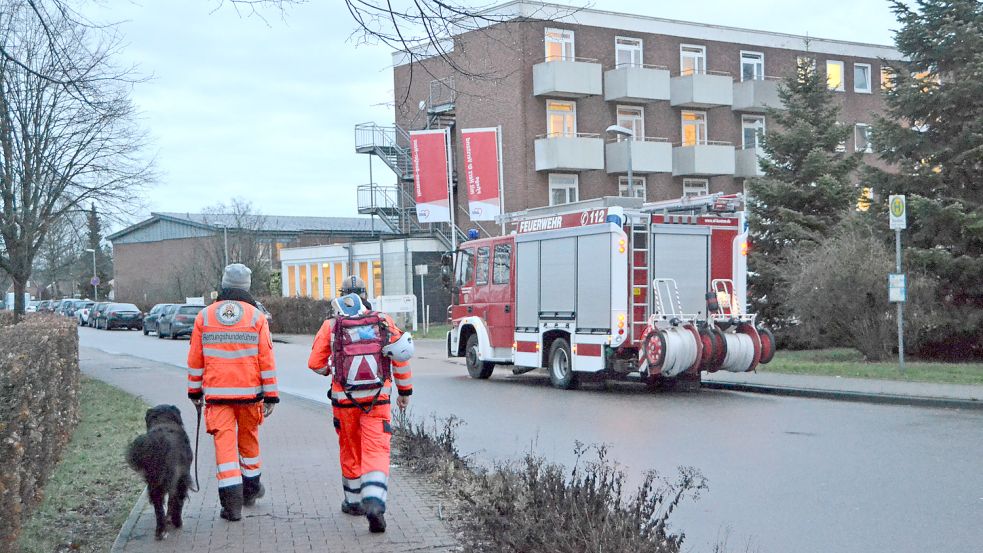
(265, 110)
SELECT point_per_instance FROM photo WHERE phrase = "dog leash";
(197, 435)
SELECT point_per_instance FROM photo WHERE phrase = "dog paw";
(161, 535)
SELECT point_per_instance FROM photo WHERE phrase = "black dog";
(163, 457)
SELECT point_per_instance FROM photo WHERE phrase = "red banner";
(481, 164)
(430, 161)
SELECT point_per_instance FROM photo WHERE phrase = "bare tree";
(67, 131)
(243, 237)
(57, 261)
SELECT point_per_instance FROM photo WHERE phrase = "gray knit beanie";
(238, 276)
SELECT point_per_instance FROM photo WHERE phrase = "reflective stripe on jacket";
(231, 355)
(319, 362)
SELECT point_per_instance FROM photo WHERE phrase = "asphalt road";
(785, 474)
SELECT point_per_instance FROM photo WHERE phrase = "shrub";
(39, 408)
(296, 315)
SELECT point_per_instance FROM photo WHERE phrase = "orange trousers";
(364, 441)
(235, 428)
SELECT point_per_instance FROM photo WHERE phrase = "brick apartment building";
(170, 256)
(694, 96)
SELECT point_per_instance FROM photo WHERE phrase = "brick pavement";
(301, 510)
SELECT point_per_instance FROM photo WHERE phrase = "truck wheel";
(476, 368)
(561, 366)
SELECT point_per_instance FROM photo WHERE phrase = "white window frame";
(702, 56)
(572, 113)
(842, 65)
(619, 47)
(870, 78)
(564, 186)
(745, 118)
(704, 185)
(869, 148)
(566, 38)
(682, 128)
(759, 73)
(640, 120)
(639, 184)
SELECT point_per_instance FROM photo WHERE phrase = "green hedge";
(296, 315)
(39, 408)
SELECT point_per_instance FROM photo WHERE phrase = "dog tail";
(139, 453)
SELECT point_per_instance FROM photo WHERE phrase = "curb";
(840, 395)
(131, 521)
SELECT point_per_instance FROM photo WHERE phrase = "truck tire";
(476, 368)
(561, 366)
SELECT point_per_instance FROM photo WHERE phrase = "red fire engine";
(610, 288)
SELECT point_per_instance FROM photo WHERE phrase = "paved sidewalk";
(301, 510)
(866, 389)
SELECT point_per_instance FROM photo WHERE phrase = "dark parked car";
(150, 319)
(94, 313)
(44, 306)
(177, 320)
(120, 315)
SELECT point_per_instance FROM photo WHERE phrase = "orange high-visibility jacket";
(319, 362)
(231, 355)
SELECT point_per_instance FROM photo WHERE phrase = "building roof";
(563, 14)
(273, 224)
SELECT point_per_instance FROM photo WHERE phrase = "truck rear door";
(682, 253)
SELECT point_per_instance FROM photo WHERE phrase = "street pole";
(423, 304)
(95, 287)
(897, 262)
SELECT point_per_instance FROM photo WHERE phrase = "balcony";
(636, 83)
(746, 163)
(706, 159)
(567, 79)
(648, 155)
(757, 95)
(581, 152)
(701, 90)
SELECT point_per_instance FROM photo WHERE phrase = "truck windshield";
(465, 267)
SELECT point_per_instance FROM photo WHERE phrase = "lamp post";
(95, 276)
(225, 241)
(629, 135)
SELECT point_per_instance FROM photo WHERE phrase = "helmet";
(352, 285)
(349, 305)
(401, 350)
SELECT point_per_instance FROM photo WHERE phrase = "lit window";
(291, 280)
(752, 66)
(692, 59)
(376, 279)
(302, 281)
(327, 291)
(887, 78)
(561, 118)
(562, 189)
(627, 52)
(632, 117)
(638, 187)
(559, 45)
(834, 75)
(865, 199)
(862, 138)
(861, 78)
(753, 129)
(694, 128)
(695, 187)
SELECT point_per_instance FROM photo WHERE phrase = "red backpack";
(356, 352)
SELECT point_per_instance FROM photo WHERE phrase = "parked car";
(31, 307)
(82, 311)
(68, 307)
(150, 319)
(44, 306)
(94, 313)
(120, 315)
(177, 321)
(55, 306)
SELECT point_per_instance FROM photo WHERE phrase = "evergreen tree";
(932, 135)
(806, 187)
(104, 260)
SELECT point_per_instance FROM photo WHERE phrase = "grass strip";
(92, 490)
(846, 362)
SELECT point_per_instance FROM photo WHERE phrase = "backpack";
(356, 352)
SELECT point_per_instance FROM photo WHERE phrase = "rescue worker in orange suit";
(231, 369)
(362, 416)
(352, 284)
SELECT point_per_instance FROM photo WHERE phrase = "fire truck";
(610, 288)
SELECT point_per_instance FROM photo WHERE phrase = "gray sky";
(239, 107)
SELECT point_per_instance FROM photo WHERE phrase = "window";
(481, 273)
(563, 189)
(302, 281)
(503, 264)
(861, 78)
(632, 117)
(291, 280)
(559, 45)
(326, 288)
(692, 59)
(627, 52)
(695, 187)
(753, 128)
(465, 267)
(861, 136)
(752, 66)
(638, 186)
(834, 75)
(561, 118)
(865, 199)
(887, 78)
(339, 275)
(694, 128)
(376, 279)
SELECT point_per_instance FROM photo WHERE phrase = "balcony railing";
(648, 155)
(705, 158)
(636, 83)
(705, 89)
(569, 152)
(567, 78)
(757, 95)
